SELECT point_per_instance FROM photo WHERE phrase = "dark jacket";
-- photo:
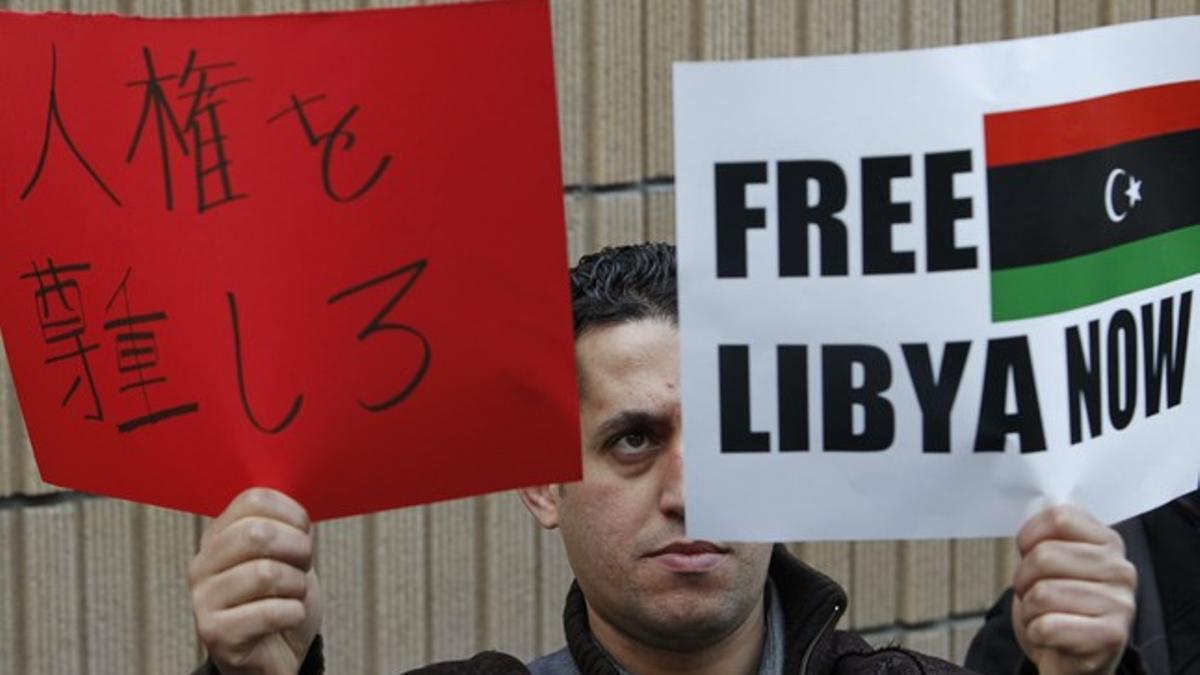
(812, 604)
(1164, 546)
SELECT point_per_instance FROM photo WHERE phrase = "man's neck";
(737, 653)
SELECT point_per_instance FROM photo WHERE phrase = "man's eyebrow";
(631, 419)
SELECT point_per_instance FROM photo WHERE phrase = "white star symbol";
(1134, 193)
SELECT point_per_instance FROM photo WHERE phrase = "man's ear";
(542, 502)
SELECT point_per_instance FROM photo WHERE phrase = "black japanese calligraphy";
(329, 142)
(138, 356)
(379, 323)
(59, 304)
(54, 122)
(290, 416)
(199, 136)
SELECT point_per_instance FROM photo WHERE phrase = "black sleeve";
(995, 651)
(483, 663)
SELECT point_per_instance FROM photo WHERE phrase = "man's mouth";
(690, 557)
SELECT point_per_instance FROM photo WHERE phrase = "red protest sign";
(323, 253)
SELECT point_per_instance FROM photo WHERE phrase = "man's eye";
(632, 444)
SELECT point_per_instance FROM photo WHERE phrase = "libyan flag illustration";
(1093, 199)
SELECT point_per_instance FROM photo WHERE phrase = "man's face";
(623, 526)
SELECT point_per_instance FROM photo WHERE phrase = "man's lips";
(690, 548)
(690, 557)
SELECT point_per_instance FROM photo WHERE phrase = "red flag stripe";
(1034, 134)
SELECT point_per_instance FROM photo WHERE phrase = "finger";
(1066, 522)
(250, 538)
(263, 502)
(249, 581)
(1078, 635)
(238, 626)
(1073, 596)
(1072, 560)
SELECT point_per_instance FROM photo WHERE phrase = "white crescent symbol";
(1108, 189)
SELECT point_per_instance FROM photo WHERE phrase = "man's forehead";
(640, 353)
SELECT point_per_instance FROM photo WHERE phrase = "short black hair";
(624, 283)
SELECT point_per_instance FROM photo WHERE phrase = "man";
(647, 599)
(1164, 547)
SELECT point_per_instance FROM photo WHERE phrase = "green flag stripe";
(1036, 290)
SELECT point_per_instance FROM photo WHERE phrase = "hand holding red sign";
(254, 592)
(322, 253)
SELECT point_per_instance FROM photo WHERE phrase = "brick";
(341, 563)
(1007, 558)
(874, 583)
(9, 412)
(880, 25)
(37, 5)
(217, 7)
(11, 584)
(332, 5)
(50, 573)
(95, 6)
(157, 8)
(1122, 11)
(974, 586)
(1176, 7)
(1079, 14)
(931, 23)
(110, 586)
(401, 593)
(510, 584)
(726, 30)
(568, 19)
(924, 571)
(579, 227)
(882, 637)
(618, 218)
(168, 631)
(981, 20)
(961, 634)
(931, 641)
(660, 214)
(18, 467)
(776, 28)
(829, 27)
(615, 99)
(833, 558)
(32, 483)
(275, 6)
(555, 579)
(669, 38)
(453, 579)
(1032, 17)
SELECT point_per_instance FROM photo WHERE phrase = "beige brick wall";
(97, 586)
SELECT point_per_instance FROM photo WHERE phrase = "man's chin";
(693, 607)
(682, 628)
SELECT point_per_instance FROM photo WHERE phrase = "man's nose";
(671, 468)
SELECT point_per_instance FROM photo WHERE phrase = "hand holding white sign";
(1074, 593)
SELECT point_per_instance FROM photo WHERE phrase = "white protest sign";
(924, 293)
